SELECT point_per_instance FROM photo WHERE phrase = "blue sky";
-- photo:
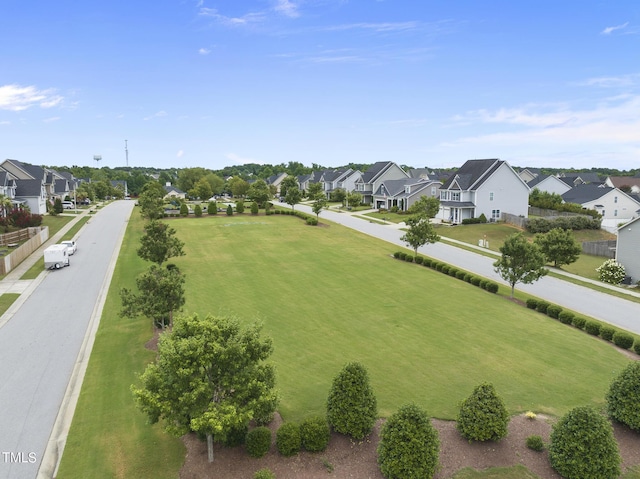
(213, 83)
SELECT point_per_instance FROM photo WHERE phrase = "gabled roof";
(172, 189)
(619, 181)
(622, 227)
(539, 179)
(585, 176)
(582, 194)
(419, 173)
(472, 174)
(395, 187)
(376, 170)
(28, 188)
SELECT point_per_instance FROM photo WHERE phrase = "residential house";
(624, 182)
(549, 184)
(529, 174)
(121, 185)
(419, 173)
(370, 180)
(339, 179)
(303, 182)
(31, 184)
(404, 193)
(276, 180)
(614, 205)
(7, 185)
(173, 193)
(627, 248)
(582, 178)
(490, 187)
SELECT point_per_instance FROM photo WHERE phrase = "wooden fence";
(37, 235)
(606, 249)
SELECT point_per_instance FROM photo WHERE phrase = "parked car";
(71, 246)
(68, 205)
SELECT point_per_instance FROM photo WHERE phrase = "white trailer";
(56, 256)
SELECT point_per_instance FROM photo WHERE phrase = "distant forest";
(185, 178)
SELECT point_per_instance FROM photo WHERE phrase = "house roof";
(172, 189)
(419, 173)
(26, 188)
(376, 170)
(396, 187)
(539, 179)
(619, 181)
(585, 176)
(622, 227)
(472, 174)
(582, 194)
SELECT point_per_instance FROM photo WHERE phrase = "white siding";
(503, 191)
(627, 249)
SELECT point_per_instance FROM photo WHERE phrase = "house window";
(491, 196)
(433, 191)
(443, 195)
(495, 215)
(615, 212)
(615, 199)
(455, 196)
(360, 187)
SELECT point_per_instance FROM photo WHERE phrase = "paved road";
(46, 338)
(604, 307)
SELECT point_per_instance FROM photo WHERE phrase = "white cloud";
(247, 19)
(180, 154)
(5, 122)
(19, 98)
(287, 8)
(610, 30)
(204, 51)
(52, 119)
(608, 82)
(238, 159)
(159, 114)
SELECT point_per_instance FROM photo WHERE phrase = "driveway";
(46, 342)
(610, 309)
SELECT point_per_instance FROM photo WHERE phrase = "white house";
(627, 248)
(615, 206)
(490, 187)
(621, 182)
(549, 184)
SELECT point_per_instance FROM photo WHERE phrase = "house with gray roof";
(627, 247)
(371, 179)
(614, 205)
(404, 193)
(582, 178)
(173, 192)
(490, 187)
(549, 184)
(30, 184)
(529, 174)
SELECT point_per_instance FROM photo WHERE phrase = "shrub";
(460, 275)
(198, 211)
(427, 262)
(441, 266)
(351, 405)
(453, 271)
(636, 347)
(535, 443)
(623, 397)
(435, 264)
(475, 280)
(566, 317)
(409, 445)
(418, 260)
(239, 206)
(468, 277)
(483, 283)
(396, 255)
(288, 439)
(184, 209)
(408, 258)
(542, 307)
(607, 332)
(258, 441)
(583, 446)
(592, 328)
(493, 287)
(553, 311)
(483, 416)
(311, 221)
(264, 473)
(611, 272)
(532, 303)
(212, 208)
(229, 210)
(315, 434)
(579, 322)
(403, 255)
(236, 436)
(254, 208)
(445, 268)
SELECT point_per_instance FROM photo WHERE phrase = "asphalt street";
(42, 343)
(604, 307)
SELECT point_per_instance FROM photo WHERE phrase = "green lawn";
(6, 300)
(328, 295)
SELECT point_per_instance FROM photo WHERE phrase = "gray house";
(627, 248)
(404, 193)
(371, 179)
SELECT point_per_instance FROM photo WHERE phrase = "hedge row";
(544, 225)
(621, 339)
(310, 220)
(447, 269)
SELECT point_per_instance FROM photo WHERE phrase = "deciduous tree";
(314, 190)
(559, 246)
(159, 243)
(420, 232)
(151, 202)
(288, 183)
(259, 192)
(426, 206)
(293, 197)
(319, 203)
(521, 261)
(210, 377)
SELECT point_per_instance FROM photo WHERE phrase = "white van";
(56, 256)
(68, 205)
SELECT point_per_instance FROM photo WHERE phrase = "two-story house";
(490, 187)
(371, 179)
(404, 193)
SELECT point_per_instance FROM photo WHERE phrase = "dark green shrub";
(441, 266)
(418, 259)
(435, 264)
(468, 277)
(229, 210)
(198, 211)
(532, 303)
(566, 317)
(184, 210)
(623, 397)
(403, 255)
(258, 441)
(542, 307)
(396, 255)
(427, 262)
(592, 328)
(351, 405)
(607, 332)
(622, 340)
(264, 473)
(254, 208)
(483, 416)
(636, 346)
(453, 271)
(482, 218)
(460, 275)
(493, 287)
(483, 283)
(475, 280)
(553, 311)
(236, 437)
(239, 206)
(288, 439)
(445, 268)
(212, 208)
(409, 258)
(579, 322)
(277, 212)
(409, 445)
(583, 446)
(311, 221)
(535, 443)
(315, 434)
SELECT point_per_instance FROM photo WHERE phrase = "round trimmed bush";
(583, 446)
(396, 255)
(579, 322)
(566, 317)
(198, 211)
(475, 280)
(212, 208)
(258, 441)
(311, 221)
(403, 255)
(553, 311)
(460, 274)
(592, 328)
(315, 434)
(184, 210)
(535, 443)
(435, 264)
(427, 262)
(409, 258)
(288, 439)
(542, 306)
(229, 210)
(265, 473)
(240, 206)
(468, 277)
(493, 287)
(409, 445)
(636, 347)
(441, 266)
(622, 340)
(607, 332)
(532, 303)
(351, 406)
(453, 271)
(623, 397)
(483, 416)
(445, 268)
(254, 208)
(419, 260)
(483, 283)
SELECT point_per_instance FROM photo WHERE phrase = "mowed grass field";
(326, 296)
